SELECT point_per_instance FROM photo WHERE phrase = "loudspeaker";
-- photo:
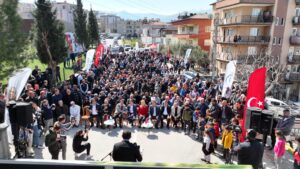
(267, 117)
(2, 112)
(24, 113)
(253, 118)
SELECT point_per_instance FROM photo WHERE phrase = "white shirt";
(165, 111)
(154, 111)
(207, 141)
(75, 110)
(131, 109)
(94, 111)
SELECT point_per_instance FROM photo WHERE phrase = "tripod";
(109, 154)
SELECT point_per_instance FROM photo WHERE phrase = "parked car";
(278, 106)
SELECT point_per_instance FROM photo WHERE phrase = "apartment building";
(133, 28)
(194, 30)
(253, 28)
(109, 23)
(64, 13)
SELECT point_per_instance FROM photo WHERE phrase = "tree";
(50, 38)
(80, 25)
(93, 28)
(12, 40)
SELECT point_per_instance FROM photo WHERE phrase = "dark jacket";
(61, 110)
(162, 108)
(151, 110)
(98, 107)
(47, 113)
(56, 98)
(77, 140)
(216, 111)
(228, 113)
(251, 153)
(126, 151)
(286, 125)
(134, 110)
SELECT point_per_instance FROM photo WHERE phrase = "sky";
(162, 7)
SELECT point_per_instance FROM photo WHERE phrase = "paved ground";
(157, 146)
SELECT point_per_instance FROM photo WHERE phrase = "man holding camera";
(126, 151)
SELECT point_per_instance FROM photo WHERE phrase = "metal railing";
(292, 76)
(245, 19)
(243, 39)
(293, 59)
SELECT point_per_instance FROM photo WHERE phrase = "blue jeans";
(36, 136)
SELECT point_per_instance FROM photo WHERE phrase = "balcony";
(295, 40)
(296, 20)
(187, 35)
(226, 3)
(246, 20)
(243, 40)
(292, 76)
(297, 2)
(293, 59)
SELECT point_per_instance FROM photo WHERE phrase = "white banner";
(187, 55)
(89, 59)
(17, 82)
(229, 77)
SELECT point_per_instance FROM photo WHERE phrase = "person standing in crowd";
(47, 115)
(121, 110)
(142, 112)
(78, 147)
(52, 141)
(61, 109)
(126, 151)
(37, 126)
(75, 113)
(279, 149)
(56, 97)
(227, 143)
(215, 110)
(227, 114)
(207, 147)
(187, 117)
(285, 125)
(154, 113)
(64, 127)
(251, 151)
(95, 110)
(165, 113)
(176, 112)
(297, 154)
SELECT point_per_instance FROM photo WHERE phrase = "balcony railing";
(292, 76)
(297, 2)
(295, 40)
(293, 59)
(226, 3)
(243, 40)
(246, 20)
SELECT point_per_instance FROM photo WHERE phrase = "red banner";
(255, 92)
(99, 53)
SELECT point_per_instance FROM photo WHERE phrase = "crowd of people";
(143, 87)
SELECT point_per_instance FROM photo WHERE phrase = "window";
(191, 29)
(207, 42)
(64, 7)
(277, 21)
(183, 29)
(297, 12)
(279, 41)
(275, 103)
(274, 41)
(294, 31)
(207, 28)
(282, 21)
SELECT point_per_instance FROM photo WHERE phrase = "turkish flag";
(99, 52)
(255, 92)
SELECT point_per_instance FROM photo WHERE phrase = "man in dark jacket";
(251, 151)
(286, 124)
(126, 151)
(227, 113)
(154, 112)
(215, 110)
(52, 142)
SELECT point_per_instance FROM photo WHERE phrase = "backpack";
(48, 138)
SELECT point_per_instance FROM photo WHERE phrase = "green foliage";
(93, 29)
(198, 56)
(12, 40)
(131, 41)
(80, 24)
(49, 31)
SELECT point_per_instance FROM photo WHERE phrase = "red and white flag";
(99, 53)
(255, 92)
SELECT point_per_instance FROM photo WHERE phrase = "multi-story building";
(111, 24)
(154, 32)
(194, 30)
(133, 28)
(255, 28)
(25, 11)
(64, 13)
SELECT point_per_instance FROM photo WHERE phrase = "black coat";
(251, 153)
(228, 113)
(126, 151)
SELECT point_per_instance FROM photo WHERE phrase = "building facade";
(25, 11)
(254, 28)
(133, 28)
(64, 13)
(155, 32)
(194, 30)
(109, 23)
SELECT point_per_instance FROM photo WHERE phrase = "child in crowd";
(297, 154)
(201, 126)
(207, 147)
(227, 143)
(279, 149)
(217, 132)
(195, 119)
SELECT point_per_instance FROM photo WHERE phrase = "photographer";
(52, 141)
(79, 137)
(126, 151)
